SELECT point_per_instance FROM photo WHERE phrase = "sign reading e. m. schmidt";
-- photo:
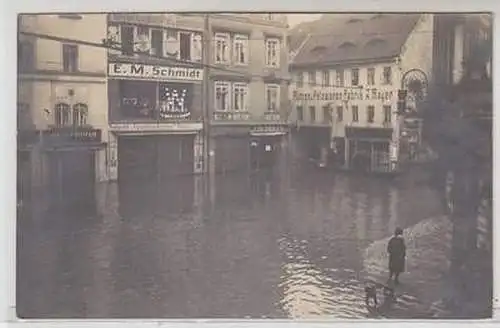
(155, 72)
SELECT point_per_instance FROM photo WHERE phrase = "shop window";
(175, 100)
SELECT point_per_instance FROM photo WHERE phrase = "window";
(300, 79)
(340, 113)
(355, 114)
(221, 48)
(70, 58)
(339, 80)
(371, 114)
(355, 76)
(25, 55)
(300, 113)
(240, 96)
(157, 43)
(80, 113)
(387, 75)
(185, 46)
(387, 114)
(326, 78)
(127, 34)
(142, 43)
(370, 76)
(327, 117)
(241, 49)
(312, 78)
(272, 97)
(62, 114)
(312, 114)
(272, 52)
(221, 96)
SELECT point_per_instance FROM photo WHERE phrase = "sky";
(294, 19)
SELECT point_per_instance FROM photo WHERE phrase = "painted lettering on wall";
(346, 95)
(155, 72)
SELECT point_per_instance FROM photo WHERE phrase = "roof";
(299, 33)
(356, 38)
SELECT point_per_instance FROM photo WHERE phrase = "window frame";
(62, 114)
(241, 40)
(312, 113)
(340, 77)
(387, 113)
(300, 79)
(242, 90)
(225, 40)
(339, 112)
(227, 86)
(80, 114)
(312, 78)
(277, 54)
(370, 76)
(387, 78)
(66, 58)
(353, 79)
(370, 115)
(355, 113)
(325, 78)
(277, 88)
(300, 109)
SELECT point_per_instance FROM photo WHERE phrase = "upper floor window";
(272, 97)
(355, 76)
(355, 114)
(62, 114)
(312, 113)
(70, 58)
(340, 113)
(312, 78)
(240, 96)
(25, 55)
(387, 78)
(339, 79)
(127, 35)
(185, 46)
(300, 113)
(387, 114)
(272, 52)
(327, 117)
(142, 42)
(222, 95)
(371, 114)
(326, 78)
(370, 76)
(241, 49)
(221, 48)
(300, 79)
(80, 114)
(157, 43)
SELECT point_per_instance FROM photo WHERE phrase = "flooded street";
(270, 246)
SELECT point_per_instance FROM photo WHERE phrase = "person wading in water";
(397, 255)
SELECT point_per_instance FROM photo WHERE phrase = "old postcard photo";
(254, 165)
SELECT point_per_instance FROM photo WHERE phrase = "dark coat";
(397, 254)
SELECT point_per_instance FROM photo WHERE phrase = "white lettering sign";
(155, 72)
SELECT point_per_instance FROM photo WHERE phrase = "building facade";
(248, 98)
(155, 80)
(62, 101)
(346, 88)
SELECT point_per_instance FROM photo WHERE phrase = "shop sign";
(345, 95)
(155, 72)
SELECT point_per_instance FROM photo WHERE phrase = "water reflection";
(253, 246)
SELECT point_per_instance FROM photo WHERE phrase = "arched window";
(62, 114)
(80, 113)
(347, 45)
